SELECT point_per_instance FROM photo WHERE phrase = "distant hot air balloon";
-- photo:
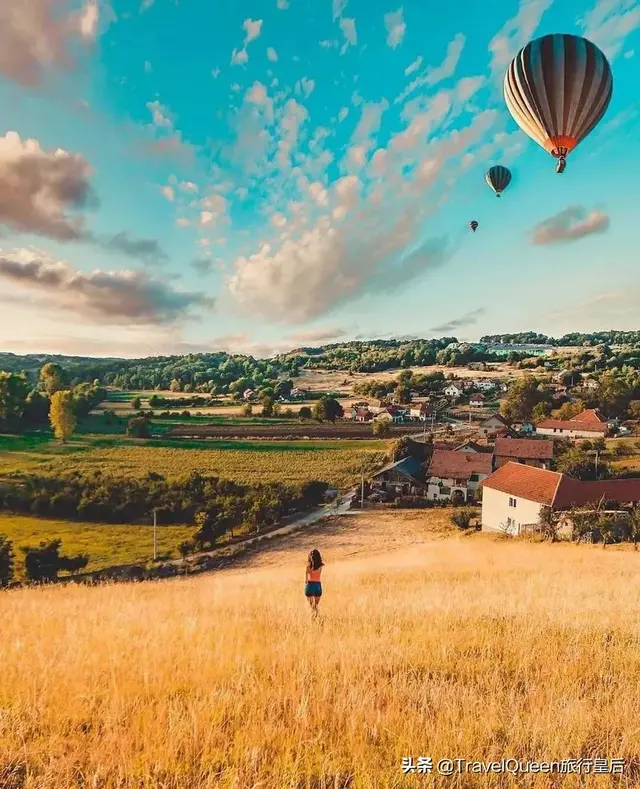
(557, 88)
(473, 225)
(498, 178)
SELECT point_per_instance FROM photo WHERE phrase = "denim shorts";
(313, 589)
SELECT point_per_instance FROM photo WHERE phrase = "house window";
(474, 478)
(510, 522)
(512, 502)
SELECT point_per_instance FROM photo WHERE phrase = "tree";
(13, 397)
(268, 407)
(42, 564)
(634, 409)
(540, 412)
(634, 527)
(6, 560)
(139, 427)
(62, 415)
(305, 413)
(327, 409)
(175, 385)
(247, 409)
(549, 523)
(381, 428)
(136, 404)
(578, 464)
(52, 378)
(522, 397)
(568, 410)
(402, 394)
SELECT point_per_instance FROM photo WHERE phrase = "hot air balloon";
(473, 225)
(557, 88)
(498, 178)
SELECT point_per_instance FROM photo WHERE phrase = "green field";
(334, 461)
(106, 545)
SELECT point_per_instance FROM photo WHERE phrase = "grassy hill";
(432, 644)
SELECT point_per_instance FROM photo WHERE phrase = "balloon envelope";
(498, 178)
(473, 225)
(557, 88)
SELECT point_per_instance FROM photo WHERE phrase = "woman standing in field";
(313, 587)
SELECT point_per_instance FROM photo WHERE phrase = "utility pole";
(155, 542)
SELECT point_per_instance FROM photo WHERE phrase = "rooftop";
(573, 424)
(590, 416)
(448, 463)
(529, 448)
(559, 491)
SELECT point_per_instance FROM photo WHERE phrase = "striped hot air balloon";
(498, 178)
(557, 88)
(473, 225)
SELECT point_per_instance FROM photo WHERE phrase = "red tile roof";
(477, 397)
(529, 448)
(562, 424)
(528, 482)
(591, 416)
(559, 490)
(458, 465)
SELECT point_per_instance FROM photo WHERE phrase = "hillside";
(432, 644)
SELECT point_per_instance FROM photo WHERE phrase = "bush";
(412, 503)
(139, 427)
(462, 518)
(42, 564)
(6, 560)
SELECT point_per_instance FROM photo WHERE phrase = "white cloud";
(629, 54)
(88, 22)
(252, 27)
(283, 4)
(258, 95)
(337, 8)
(396, 27)
(343, 114)
(272, 55)
(348, 27)
(515, 33)
(432, 75)
(160, 115)
(569, 225)
(413, 66)
(239, 57)
(168, 192)
(610, 22)
(305, 86)
(188, 186)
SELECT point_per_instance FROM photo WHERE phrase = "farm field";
(334, 461)
(107, 545)
(433, 644)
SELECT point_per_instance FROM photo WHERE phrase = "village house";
(514, 495)
(453, 391)
(476, 400)
(456, 476)
(484, 385)
(248, 394)
(363, 415)
(587, 424)
(298, 394)
(421, 412)
(494, 425)
(401, 477)
(472, 446)
(529, 451)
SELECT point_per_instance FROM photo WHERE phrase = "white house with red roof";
(587, 424)
(456, 475)
(494, 425)
(476, 400)
(514, 495)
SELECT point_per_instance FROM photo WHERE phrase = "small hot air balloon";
(498, 178)
(557, 88)
(473, 225)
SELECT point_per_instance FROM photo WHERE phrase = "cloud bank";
(569, 225)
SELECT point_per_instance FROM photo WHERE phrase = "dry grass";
(431, 644)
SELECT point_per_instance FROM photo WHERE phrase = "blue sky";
(188, 175)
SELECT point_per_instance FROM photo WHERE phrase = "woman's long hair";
(315, 560)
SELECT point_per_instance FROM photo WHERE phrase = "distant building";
(493, 426)
(529, 451)
(363, 415)
(401, 477)
(248, 394)
(453, 391)
(476, 400)
(587, 424)
(514, 495)
(455, 476)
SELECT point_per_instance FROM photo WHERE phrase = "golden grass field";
(431, 644)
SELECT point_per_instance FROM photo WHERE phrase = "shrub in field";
(462, 518)
(42, 564)
(412, 503)
(6, 560)
(139, 427)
